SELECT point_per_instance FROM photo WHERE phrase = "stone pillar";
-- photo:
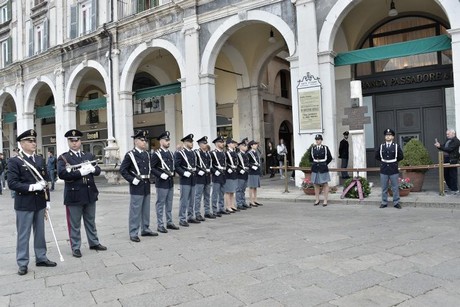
(61, 142)
(455, 36)
(38, 129)
(170, 117)
(124, 120)
(12, 138)
(22, 120)
(208, 106)
(358, 139)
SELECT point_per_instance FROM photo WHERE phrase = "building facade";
(226, 66)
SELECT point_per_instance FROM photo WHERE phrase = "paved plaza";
(286, 253)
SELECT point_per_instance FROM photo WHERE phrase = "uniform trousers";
(344, 164)
(202, 191)
(52, 177)
(74, 215)
(394, 188)
(25, 220)
(217, 197)
(139, 214)
(164, 203)
(241, 192)
(187, 200)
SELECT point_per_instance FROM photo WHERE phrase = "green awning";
(398, 50)
(9, 118)
(93, 104)
(158, 91)
(45, 112)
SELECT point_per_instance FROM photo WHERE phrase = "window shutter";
(73, 21)
(140, 5)
(9, 9)
(94, 10)
(31, 40)
(9, 43)
(46, 23)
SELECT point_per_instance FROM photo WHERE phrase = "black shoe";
(228, 211)
(98, 247)
(272, 175)
(253, 205)
(149, 234)
(172, 226)
(217, 214)
(200, 218)
(398, 206)
(135, 239)
(193, 221)
(209, 216)
(258, 204)
(22, 270)
(223, 212)
(162, 229)
(383, 206)
(76, 253)
(184, 224)
(316, 204)
(246, 206)
(241, 208)
(47, 263)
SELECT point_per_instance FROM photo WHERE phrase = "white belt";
(389, 161)
(319, 160)
(145, 176)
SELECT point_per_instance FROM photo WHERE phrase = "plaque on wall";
(309, 105)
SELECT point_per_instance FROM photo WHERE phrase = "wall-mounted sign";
(309, 104)
(92, 135)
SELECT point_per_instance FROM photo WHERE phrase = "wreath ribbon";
(359, 186)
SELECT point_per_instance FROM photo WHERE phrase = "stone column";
(357, 137)
(170, 117)
(38, 129)
(124, 120)
(61, 142)
(455, 36)
(208, 106)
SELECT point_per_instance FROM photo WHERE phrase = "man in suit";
(344, 153)
(185, 163)
(163, 169)
(389, 154)
(27, 177)
(136, 169)
(218, 167)
(203, 180)
(451, 155)
(77, 169)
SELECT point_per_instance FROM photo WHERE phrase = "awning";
(9, 118)
(45, 112)
(398, 50)
(158, 91)
(93, 104)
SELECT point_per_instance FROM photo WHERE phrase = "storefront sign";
(309, 103)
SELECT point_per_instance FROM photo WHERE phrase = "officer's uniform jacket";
(129, 172)
(78, 190)
(19, 180)
(232, 163)
(203, 163)
(243, 165)
(182, 166)
(320, 157)
(157, 168)
(254, 160)
(389, 158)
(218, 164)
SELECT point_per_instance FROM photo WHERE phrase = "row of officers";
(218, 179)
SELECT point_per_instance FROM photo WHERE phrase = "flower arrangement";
(307, 184)
(404, 183)
(353, 192)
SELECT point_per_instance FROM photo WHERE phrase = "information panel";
(309, 103)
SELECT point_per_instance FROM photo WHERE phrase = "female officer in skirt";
(320, 157)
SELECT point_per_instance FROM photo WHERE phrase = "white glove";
(136, 181)
(48, 205)
(229, 171)
(84, 170)
(187, 174)
(254, 167)
(36, 187)
(164, 176)
(201, 173)
(217, 173)
(91, 168)
(242, 172)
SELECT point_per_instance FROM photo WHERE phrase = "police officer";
(254, 173)
(136, 169)
(27, 176)
(218, 167)
(320, 157)
(344, 153)
(77, 169)
(242, 179)
(203, 180)
(389, 153)
(185, 163)
(231, 176)
(163, 169)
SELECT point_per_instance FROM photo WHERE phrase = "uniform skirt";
(320, 178)
(254, 181)
(230, 185)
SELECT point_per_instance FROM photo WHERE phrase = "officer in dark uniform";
(203, 180)
(136, 169)
(231, 176)
(77, 169)
(242, 170)
(163, 169)
(344, 153)
(389, 153)
(27, 176)
(218, 167)
(185, 163)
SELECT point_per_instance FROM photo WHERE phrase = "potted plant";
(415, 154)
(305, 161)
(405, 185)
(307, 186)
